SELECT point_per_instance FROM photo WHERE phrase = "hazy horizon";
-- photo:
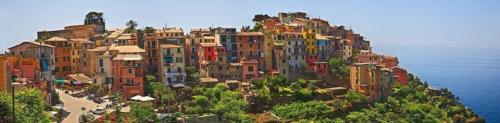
(452, 24)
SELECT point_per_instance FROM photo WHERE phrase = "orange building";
(371, 80)
(250, 46)
(62, 56)
(5, 74)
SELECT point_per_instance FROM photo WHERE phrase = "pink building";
(250, 72)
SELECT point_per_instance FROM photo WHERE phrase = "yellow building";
(310, 40)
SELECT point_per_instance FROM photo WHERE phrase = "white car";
(99, 111)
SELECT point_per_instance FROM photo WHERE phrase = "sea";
(472, 74)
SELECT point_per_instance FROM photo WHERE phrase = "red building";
(207, 52)
(321, 69)
(400, 75)
(390, 61)
(311, 60)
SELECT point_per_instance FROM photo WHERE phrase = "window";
(130, 70)
(169, 70)
(130, 82)
(178, 50)
(179, 70)
(250, 68)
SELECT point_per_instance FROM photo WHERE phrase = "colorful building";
(35, 61)
(280, 58)
(172, 64)
(296, 52)
(250, 72)
(227, 38)
(400, 75)
(5, 74)
(62, 53)
(127, 69)
(196, 36)
(310, 40)
(251, 47)
(323, 47)
(371, 80)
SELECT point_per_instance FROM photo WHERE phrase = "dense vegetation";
(413, 103)
(29, 107)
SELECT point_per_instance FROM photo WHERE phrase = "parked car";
(98, 101)
(109, 106)
(99, 111)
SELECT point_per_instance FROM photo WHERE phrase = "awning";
(59, 81)
(80, 78)
(136, 97)
(146, 98)
(178, 85)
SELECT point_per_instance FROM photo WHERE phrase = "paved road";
(73, 105)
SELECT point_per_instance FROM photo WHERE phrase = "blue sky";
(453, 24)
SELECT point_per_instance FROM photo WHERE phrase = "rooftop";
(250, 33)
(55, 38)
(127, 49)
(208, 44)
(32, 42)
(101, 48)
(208, 80)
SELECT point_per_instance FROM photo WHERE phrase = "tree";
(338, 69)
(303, 110)
(29, 107)
(257, 27)
(192, 75)
(119, 100)
(232, 107)
(149, 29)
(163, 94)
(199, 105)
(131, 26)
(356, 99)
(143, 113)
(260, 17)
(94, 18)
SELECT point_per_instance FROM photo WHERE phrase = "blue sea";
(472, 74)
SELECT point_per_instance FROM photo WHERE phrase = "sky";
(458, 24)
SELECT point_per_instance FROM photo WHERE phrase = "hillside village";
(285, 63)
